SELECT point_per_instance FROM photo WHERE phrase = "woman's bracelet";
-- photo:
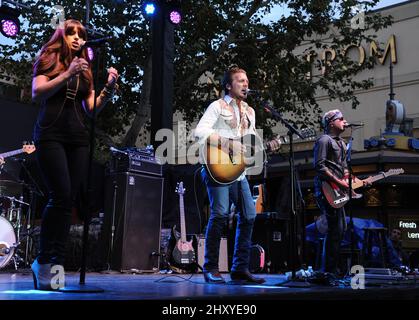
(106, 94)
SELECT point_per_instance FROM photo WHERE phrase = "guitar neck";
(182, 219)
(11, 153)
(378, 177)
(359, 183)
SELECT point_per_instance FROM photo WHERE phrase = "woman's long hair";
(56, 54)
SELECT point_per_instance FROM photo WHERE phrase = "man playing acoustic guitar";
(224, 120)
(331, 166)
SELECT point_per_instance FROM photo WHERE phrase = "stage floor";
(117, 286)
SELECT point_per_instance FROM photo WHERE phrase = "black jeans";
(63, 167)
(336, 229)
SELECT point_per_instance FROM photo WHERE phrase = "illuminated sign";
(409, 228)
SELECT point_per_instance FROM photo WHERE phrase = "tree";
(213, 35)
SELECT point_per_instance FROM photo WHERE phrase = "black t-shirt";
(62, 116)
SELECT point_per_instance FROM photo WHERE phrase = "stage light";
(174, 12)
(9, 28)
(374, 142)
(149, 8)
(9, 20)
(390, 142)
(175, 17)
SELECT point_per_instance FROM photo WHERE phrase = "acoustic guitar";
(225, 167)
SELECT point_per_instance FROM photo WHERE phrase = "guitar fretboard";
(378, 177)
(182, 219)
(11, 153)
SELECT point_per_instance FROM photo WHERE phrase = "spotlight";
(9, 28)
(374, 142)
(9, 20)
(149, 8)
(174, 12)
(175, 17)
(390, 142)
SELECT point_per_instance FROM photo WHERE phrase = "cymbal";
(11, 188)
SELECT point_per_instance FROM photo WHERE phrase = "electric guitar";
(225, 167)
(259, 197)
(26, 148)
(182, 253)
(338, 197)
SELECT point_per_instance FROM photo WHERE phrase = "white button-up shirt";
(222, 117)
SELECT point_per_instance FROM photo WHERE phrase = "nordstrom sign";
(328, 55)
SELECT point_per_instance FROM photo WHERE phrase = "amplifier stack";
(133, 211)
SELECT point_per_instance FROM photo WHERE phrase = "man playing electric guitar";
(330, 165)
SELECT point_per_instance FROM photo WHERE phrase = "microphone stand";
(294, 282)
(351, 223)
(82, 287)
(301, 223)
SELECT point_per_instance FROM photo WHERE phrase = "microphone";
(354, 125)
(253, 92)
(95, 42)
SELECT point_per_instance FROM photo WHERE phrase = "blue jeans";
(220, 197)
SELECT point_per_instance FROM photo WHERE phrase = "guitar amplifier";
(137, 160)
(271, 232)
(223, 257)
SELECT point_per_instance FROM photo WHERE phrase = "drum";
(11, 188)
(7, 242)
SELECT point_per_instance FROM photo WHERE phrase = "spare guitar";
(338, 197)
(181, 252)
(26, 148)
(226, 167)
(259, 197)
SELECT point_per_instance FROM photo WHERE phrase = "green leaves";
(214, 34)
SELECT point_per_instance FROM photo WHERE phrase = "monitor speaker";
(133, 210)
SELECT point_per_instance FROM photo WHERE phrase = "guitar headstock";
(394, 172)
(28, 147)
(308, 133)
(180, 189)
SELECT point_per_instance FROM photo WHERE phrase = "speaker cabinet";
(133, 210)
(271, 232)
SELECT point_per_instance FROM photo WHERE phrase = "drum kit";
(15, 227)
(15, 217)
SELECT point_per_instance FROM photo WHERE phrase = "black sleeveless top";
(62, 116)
